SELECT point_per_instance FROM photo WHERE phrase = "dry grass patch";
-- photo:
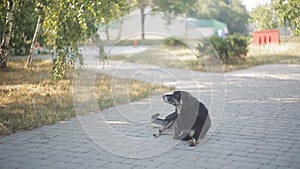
(29, 98)
(183, 58)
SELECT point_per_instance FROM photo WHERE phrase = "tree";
(112, 11)
(263, 17)
(231, 12)
(4, 50)
(288, 13)
(39, 5)
(238, 22)
(142, 4)
(64, 23)
(22, 27)
(175, 7)
(67, 22)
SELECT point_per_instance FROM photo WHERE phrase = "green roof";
(207, 23)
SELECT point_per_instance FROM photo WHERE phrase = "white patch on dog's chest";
(179, 108)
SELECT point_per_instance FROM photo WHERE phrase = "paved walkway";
(257, 125)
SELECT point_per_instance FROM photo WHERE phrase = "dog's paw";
(155, 135)
(193, 142)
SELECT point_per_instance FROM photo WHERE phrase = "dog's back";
(193, 120)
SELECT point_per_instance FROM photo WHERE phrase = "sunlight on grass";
(29, 98)
(183, 58)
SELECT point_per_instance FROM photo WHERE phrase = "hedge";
(230, 47)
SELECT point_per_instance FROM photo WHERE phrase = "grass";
(29, 98)
(285, 53)
(183, 58)
(162, 57)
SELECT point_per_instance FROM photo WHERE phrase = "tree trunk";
(7, 34)
(185, 26)
(143, 21)
(107, 32)
(31, 52)
(120, 29)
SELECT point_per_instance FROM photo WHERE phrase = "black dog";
(191, 120)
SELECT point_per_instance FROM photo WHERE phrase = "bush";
(229, 48)
(172, 41)
(221, 46)
(238, 45)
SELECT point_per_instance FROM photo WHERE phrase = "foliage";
(288, 13)
(175, 7)
(238, 45)
(277, 13)
(229, 48)
(62, 29)
(62, 59)
(263, 17)
(64, 23)
(67, 22)
(221, 45)
(233, 13)
(22, 29)
(173, 42)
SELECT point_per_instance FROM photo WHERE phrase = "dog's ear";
(187, 99)
(177, 92)
(177, 95)
(183, 94)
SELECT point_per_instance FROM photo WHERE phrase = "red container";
(266, 37)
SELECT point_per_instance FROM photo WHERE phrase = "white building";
(158, 26)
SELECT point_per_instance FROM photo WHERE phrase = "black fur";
(191, 118)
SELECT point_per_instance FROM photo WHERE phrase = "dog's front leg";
(164, 127)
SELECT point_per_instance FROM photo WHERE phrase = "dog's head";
(176, 98)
